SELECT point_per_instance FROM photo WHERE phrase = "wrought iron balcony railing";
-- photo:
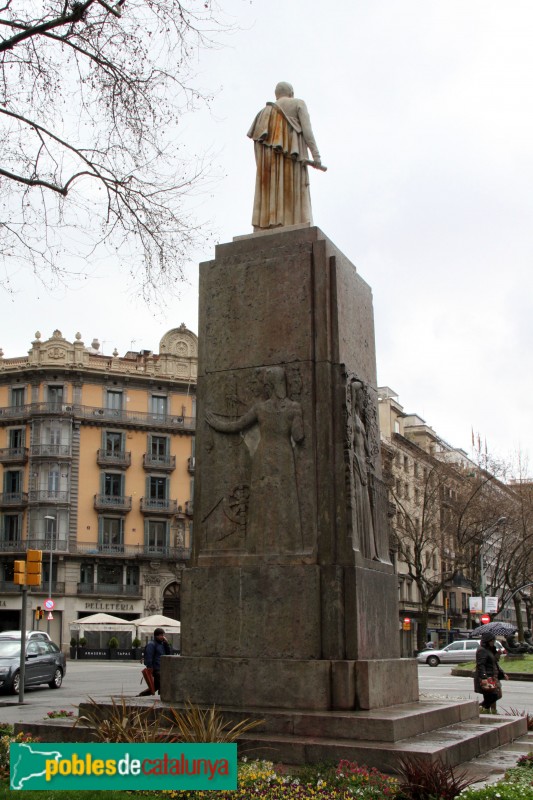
(109, 588)
(51, 451)
(160, 462)
(48, 496)
(13, 499)
(13, 455)
(113, 458)
(151, 505)
(131, 550)
(91, 413)
(108, 502)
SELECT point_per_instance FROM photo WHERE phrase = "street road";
(101, 679)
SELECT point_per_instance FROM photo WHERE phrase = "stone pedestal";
(291, 598)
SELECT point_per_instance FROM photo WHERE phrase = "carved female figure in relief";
(273, 524)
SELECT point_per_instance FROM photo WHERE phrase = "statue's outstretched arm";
(224, 425)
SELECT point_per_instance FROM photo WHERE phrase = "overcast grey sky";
(422, 112)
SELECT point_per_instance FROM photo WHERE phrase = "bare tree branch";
(91, 94)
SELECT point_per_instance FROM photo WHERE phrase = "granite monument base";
(317, 685)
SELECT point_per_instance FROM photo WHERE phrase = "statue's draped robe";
(282, 133)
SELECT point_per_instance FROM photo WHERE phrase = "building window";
(157, 487)
(54, 395)
(113, 484)
(110, 574)
(17, 396)
(453, 605)
(132, 576)
(158, 405)
(11, 528)
(111, 536)
(16, 438)
(158, 447)
(87, 573)
(113, 443)
(405, 463)
(13, 481)
(156, 535)
(113, 399)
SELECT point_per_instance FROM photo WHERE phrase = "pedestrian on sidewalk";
(155, 648)
(488, 674)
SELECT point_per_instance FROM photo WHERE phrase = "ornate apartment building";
(412, 451)
(97, 455)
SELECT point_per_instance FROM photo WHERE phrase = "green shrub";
(136, 642)
(113, 643)
(83, 641)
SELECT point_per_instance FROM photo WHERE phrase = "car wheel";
(57, 680)
(15, 683)
(433, 661)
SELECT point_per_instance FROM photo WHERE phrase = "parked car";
(45, 663)
(39, 635)
(454, 653)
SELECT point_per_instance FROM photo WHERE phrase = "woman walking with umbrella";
(488, 673)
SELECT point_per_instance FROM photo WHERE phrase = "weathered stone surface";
(248, 683)
(291, 593)
(275, 612)
(386, 682)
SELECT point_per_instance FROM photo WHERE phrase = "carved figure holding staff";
(282, 135)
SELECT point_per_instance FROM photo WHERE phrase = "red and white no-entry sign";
(485, 618)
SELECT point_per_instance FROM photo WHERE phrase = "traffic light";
(19, 573)
(34, 560)
(39, 613)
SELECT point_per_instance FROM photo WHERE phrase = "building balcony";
(13, 499)
(9, 586)
(12, 545)
(165, 463)
(151, 505)
(109, 589)
(132, 550)
(58, 587)
(13, 455)
(108, 458)
(191, 464)
(110, 502)
(51, 451)
(15, 413)
(144, 419)
(51, 496)
(57, 544)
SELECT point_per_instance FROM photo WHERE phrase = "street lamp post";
(497, 524)
(52, 534)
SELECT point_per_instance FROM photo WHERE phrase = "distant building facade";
(98, 460)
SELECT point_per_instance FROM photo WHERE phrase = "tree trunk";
(422, 629)
(517, 600)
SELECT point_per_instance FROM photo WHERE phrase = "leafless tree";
(91, 97)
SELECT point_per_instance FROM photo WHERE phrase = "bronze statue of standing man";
(282, 136)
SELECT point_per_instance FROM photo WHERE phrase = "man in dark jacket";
(156, 648)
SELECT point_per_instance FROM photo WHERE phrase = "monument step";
(454, 744)
(389, 724)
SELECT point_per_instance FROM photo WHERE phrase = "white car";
(30, 635)
(454, 653)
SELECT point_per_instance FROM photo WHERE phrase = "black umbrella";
(497, 628)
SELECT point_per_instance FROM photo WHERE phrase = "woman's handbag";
(489, 684)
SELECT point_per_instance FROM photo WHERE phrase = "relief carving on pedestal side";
(364, 489)
(267, 501)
